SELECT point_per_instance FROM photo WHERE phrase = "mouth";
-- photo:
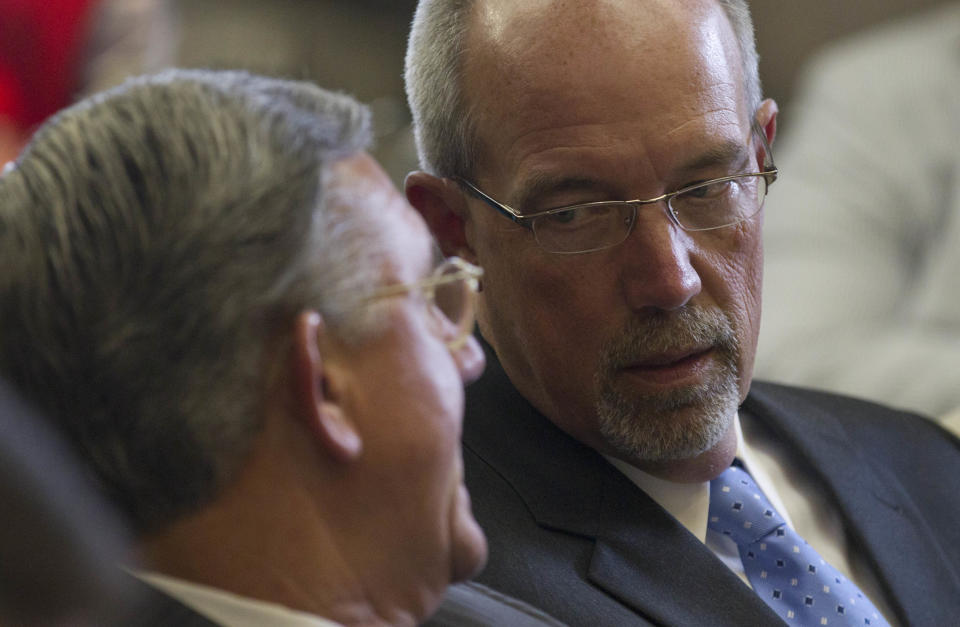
(673, 367)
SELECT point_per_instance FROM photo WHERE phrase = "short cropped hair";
(443, 122)
(154, 240)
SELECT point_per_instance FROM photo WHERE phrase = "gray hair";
(443, 120)
(154, 240)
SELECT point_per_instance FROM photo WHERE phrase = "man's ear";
(767, 120)
(318, 391)
(444, 209)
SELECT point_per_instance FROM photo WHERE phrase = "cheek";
(427, 465)
(546, 319)
(545, 306)
(747, 263)
(736, 262)
(436, 392)
(421, 395)
(738, 267)
(532, 288)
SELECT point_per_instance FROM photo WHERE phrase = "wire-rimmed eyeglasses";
(592, 226)
(449, 292)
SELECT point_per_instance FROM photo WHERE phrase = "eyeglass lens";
(453, 299)
(594, 227)
(719, 204)
(584, 228)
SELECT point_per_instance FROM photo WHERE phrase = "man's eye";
(564, 217)
(708, 191)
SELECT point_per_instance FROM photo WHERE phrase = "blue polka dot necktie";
(791, 577)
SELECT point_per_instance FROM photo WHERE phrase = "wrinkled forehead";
(552, 63)
(569, 40)
(358, 185)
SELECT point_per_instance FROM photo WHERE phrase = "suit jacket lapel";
(881, 518)
(661, 569)
(642, 556)
(155, 608)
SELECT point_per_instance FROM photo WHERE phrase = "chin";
(468, 563)
(469, 544)
(682, 428)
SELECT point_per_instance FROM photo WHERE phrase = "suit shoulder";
(790, 398)
(472, 604)
(876, 427)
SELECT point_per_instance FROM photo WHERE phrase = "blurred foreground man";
(236, 319)
(606, 162)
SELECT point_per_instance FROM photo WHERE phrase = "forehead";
(359, 185)
(552, 80)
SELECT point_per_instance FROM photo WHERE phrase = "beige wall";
(788, 30)
(357, 46)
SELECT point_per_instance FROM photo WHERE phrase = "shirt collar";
(689, 503)
(231, 610)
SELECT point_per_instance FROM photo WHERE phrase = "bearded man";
(607, 163)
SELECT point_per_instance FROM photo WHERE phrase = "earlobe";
(443, 208)
(318, 392)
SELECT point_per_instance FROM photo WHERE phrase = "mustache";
(690, 327)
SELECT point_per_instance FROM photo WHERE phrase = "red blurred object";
(42, 43)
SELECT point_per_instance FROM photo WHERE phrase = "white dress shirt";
(231, 610)
(952, 421)
(799, 500)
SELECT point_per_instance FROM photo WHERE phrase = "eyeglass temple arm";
(501, 208)
(768, 166)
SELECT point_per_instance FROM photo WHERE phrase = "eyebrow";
(725, 153)
(543, 183)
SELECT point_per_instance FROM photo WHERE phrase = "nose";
(658, 269)
(470, 360)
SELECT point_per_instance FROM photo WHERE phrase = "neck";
(268, 537)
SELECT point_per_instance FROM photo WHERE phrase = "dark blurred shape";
(59, 541)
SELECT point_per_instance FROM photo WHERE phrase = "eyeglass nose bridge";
(666, 199)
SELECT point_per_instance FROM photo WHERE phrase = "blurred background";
(59, 49)
(55, 51)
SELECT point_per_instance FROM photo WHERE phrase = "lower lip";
(686, 370)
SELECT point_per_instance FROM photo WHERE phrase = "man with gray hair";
(235, 318)
(606, 162)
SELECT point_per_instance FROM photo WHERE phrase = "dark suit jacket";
(155, 608)
(572, 535)
(473, 605)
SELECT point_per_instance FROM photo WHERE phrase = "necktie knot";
(739, 509)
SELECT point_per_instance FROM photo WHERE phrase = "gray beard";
(680, 423)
